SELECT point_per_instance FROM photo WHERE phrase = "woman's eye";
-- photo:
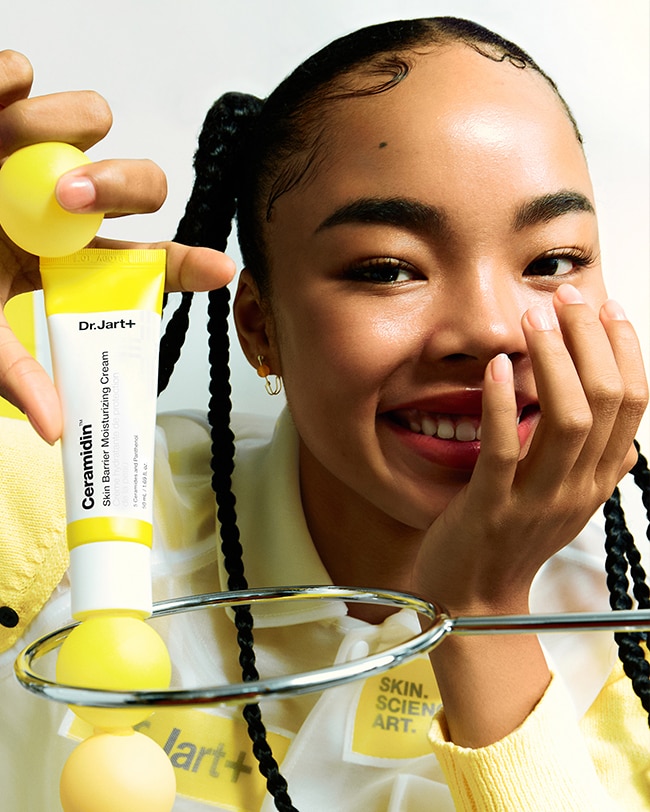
(554, 266)
(384, 272)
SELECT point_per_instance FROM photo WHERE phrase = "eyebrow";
(547, 207)
(415, 215)
(396, 211)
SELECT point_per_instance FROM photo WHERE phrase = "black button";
(8, 617)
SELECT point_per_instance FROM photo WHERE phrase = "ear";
(254, 323)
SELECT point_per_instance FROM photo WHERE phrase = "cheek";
(341, 351)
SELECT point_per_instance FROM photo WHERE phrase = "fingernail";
(76, 194)
(569, 295)
(614, 310)
(501, 368)
(539, 319)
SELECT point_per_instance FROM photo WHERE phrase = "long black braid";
(207, 221)
(172, 340)
(622, 554)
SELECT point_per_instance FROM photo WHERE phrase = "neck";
(359, 545)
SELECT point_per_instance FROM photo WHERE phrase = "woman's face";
(437, 214)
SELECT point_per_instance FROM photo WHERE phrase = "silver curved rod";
(290, 685)
(243, 692)
(383, 597)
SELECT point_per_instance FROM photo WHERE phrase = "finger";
(566, 418)
(188, 268)
(81, 118)
(627, 352)
(16, 77)
(197, 269)
(114, 187)
(596, 365)
(24, 382)
(500, 447)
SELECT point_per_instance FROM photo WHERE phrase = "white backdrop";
(161, 63)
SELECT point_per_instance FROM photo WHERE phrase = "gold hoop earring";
(264, 371)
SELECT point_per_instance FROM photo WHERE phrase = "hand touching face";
(434, 216)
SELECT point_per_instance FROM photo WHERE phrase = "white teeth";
(429, 426)
(446, 429)
(465, 431)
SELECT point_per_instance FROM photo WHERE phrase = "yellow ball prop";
(117, 654)
(110, 772)
(29, 212)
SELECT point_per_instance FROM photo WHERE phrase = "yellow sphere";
(29, 211)
(118, 772)
(116, 653)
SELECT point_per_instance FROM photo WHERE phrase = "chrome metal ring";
(244, 692)
(441, 625)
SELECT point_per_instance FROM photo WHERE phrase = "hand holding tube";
(112, 188)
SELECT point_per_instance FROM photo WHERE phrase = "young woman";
(422, 273)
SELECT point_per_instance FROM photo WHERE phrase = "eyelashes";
(560, 262)
(383, 271)
(392, 271)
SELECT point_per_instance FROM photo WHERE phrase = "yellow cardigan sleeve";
(617, 733)
(551, 763)
(33, 549)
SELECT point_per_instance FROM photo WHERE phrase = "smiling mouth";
(461, 428)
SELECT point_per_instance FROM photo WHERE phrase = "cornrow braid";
(622, 554)
(207, 221)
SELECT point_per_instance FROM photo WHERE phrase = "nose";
(478, 317)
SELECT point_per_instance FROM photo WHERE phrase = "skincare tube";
(103, 311)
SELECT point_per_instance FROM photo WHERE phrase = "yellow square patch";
(394, 713)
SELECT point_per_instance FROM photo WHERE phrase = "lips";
(447, 431)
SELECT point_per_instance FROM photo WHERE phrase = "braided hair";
(208, 221)
(250, 152)
(622, 554)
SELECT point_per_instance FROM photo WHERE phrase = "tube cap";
(110, 576)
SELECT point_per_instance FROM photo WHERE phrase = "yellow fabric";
(33, 549)
(499, 778)
(616, 730)
(20, 315)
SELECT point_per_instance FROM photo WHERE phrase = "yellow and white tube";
(103, 312)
